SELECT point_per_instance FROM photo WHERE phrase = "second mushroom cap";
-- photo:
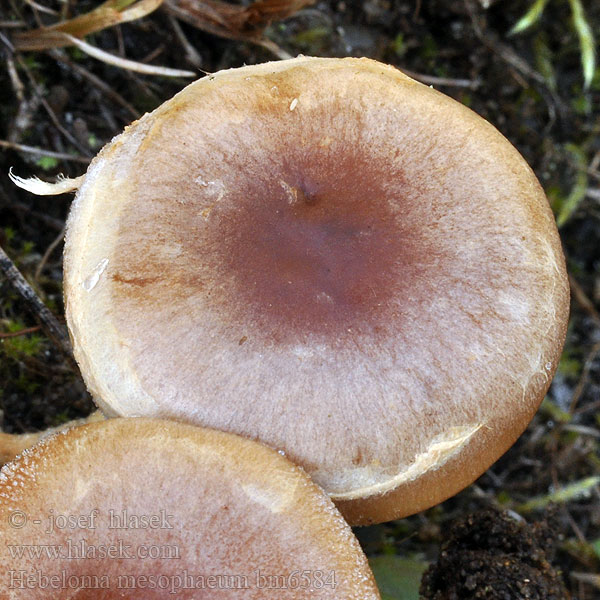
(152, 509)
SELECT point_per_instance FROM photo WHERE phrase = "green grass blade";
(570, 492)
(543, 61)
(586, 41)
(530, 17)
(579, 189)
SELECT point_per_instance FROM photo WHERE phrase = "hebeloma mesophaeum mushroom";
(329, 257)
(132, 508)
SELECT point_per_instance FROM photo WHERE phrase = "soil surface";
(491, 556)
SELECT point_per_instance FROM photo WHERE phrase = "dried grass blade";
(233, 21)
(108, 14)
(124, 63)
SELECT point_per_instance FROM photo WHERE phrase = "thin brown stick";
(55, 242)
(271, 46)
(505, 52)
(124, 63)
(53, 329)
(15, 80)
(27, 107)
(585, 376)
(13, 24)
(519, 68)
(593, 407)
(42, 152)
(472, 84)
(583, 300)
(192, 55)
(40, 7)
(32, 80)
(12, 334)
(62, 57)
(21, 207)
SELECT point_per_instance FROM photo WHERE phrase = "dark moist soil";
(529, 86)
(491, 556)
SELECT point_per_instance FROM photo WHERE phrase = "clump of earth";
(489, 555)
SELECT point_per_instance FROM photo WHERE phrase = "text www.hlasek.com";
(76, 550)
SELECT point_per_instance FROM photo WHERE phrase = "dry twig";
(11, 334)
(53, 329)
(106, 89)
(55, 242)
(42, 152)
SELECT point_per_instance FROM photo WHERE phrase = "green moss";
(9, 234)
(26, 385)
(22, 345)
(60, 418)
(549, 409)
(430, 50)
(503, 498)
(47, 163)
(570, 365)
(311, 38)
(399, 45)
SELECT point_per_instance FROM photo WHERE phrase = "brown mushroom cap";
(329, 257)
(144, 508)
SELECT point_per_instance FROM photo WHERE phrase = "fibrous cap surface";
(149, 509)
(329, 257)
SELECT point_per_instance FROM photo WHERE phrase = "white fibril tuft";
(38, 187)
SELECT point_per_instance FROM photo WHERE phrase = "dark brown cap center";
(303, 258)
